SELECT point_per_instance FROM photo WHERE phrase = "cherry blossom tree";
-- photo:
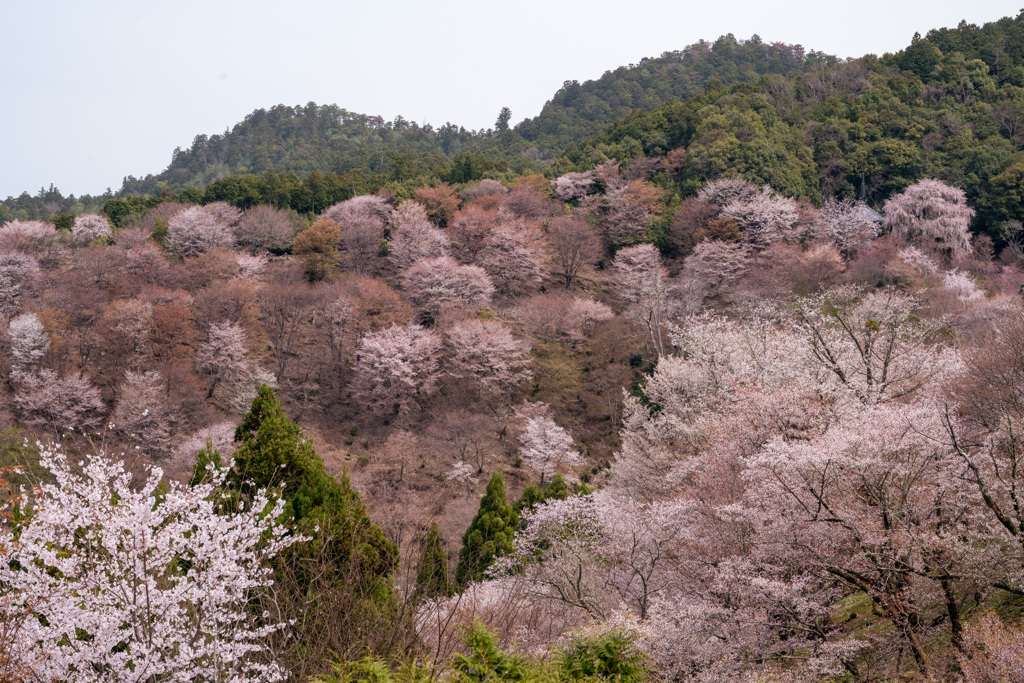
(545, 446)
(574, 247)
(644, 289)
(232, 375)
(415, 240)
(872, 345)
(515, 255)
(225, 212)
(142, 412)
(560, 317)
(714, 265)
(396, 369)
(26, 236)
(764, 217)
(263, 228)
(434, 284)
(16, 269)
(141, 581)
(61, 403)
(932, 215)
(573, 186)
(485, 352)
(90, 227)
(196, 230)
(484, 190)
(725, 191)
(360, 208)
(867, 503)
(851, 225)
(29, 342)
(468, 231)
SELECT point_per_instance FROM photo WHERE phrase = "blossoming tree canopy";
(137, 580)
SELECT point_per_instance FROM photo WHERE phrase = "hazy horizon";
(109, 89)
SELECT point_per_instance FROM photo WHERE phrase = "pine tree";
(432, 579)
(489, 535)
(346, 565)
(533, 495)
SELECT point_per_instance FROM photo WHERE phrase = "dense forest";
(710, 372)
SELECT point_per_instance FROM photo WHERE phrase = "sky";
(95, 91)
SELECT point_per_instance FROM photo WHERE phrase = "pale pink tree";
(850, 225)
(574, 247)
(714, 265)
(644, 287)
(725, 191)
(515, 255)
(396, 369)
(16, 270)
(993, 652)
(60, 403)
(225, 212)
(545, 446)
(468, 232)
(195, 230)
(962, 285)
(131, 320)
(873, 346)
(573, 186)
(484, 189)
(141, 580)
(223, 356)
(264, 228)
(142, 412)
(764, 217)
(29, 342)
(414, 240)
(868, 503)
(26, 236)
(622, 215)
(359, 208)
(434, 284)
(251, 266)
(560, 317)
(485, 352)
(89, 227)
(932, 215)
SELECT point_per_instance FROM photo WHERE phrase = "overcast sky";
(94, 91)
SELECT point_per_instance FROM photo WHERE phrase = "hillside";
(730, 391)
(582, 110)
(949, 106)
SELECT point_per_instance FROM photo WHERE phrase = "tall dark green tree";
(432, 579)
(489, 535)
(337, 585)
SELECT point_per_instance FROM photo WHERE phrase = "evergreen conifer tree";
(432, 578)
(342, 574)
(489, 535)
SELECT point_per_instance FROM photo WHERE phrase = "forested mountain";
(579, 111)
(728, 392)
(949, 106)
(328, 138)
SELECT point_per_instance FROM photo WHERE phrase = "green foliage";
(273, 452)
(485, 661)
(489, 535)
(612, 656)
(338, 583)
(22, 460)
(63, 221)
(371, 669)
(432, 579)
(533, 495)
